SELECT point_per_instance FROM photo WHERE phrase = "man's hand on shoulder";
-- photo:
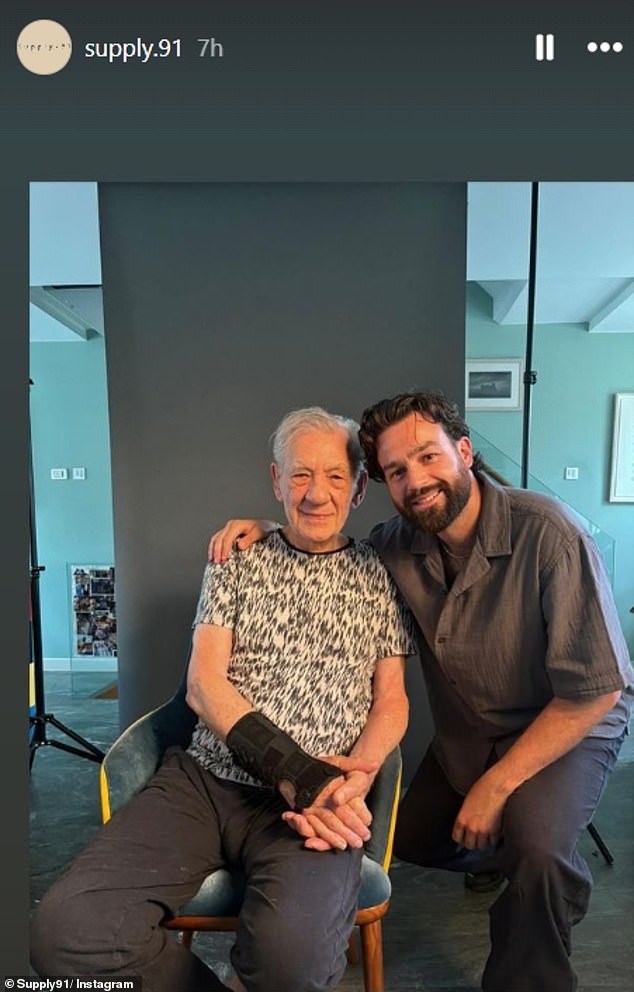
(240, 534)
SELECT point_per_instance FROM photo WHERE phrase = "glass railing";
(509, 472)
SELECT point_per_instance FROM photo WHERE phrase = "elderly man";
(528, 674)
(296, 676)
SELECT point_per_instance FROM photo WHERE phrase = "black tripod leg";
(95, 753)
(40, 739)
(598, 840)
(39, 721)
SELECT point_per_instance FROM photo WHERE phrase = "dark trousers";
(549, 883)
(103, 916)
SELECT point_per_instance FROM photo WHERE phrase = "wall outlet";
(571, 472)
(59, 473)
(79, 474)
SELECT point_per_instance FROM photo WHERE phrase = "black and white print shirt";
(308, 631)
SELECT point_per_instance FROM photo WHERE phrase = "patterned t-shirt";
(308, 631)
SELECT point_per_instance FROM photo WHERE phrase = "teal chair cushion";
(222, 892)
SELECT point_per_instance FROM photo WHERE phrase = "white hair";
(316, 418)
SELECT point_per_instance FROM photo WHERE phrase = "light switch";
(79, 474)
(59, 473)
(571, 472)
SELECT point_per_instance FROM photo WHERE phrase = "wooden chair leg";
(372, 951)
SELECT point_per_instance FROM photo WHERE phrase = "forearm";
(383, 731)
(210, 694)
(262, 749)
(221, 709)
(557, 729)
(387, 718)
(561, 725)
(344, 817)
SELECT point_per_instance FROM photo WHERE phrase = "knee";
(52, 936)
(73, 934)
(547, 875)
(531, 856)
(288, 956)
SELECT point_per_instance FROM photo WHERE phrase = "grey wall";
(226, 305)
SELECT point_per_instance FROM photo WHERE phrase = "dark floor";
(435, 934)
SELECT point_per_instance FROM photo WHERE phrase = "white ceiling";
(66, 313)
(585, 255)
(64, 261)
(585, 252)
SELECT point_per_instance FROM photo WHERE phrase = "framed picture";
(94, 613)
(622, 472)
(493, 383)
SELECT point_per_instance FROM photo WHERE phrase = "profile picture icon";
(44, 47)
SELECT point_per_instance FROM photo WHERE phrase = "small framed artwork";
(622, 470)
(493, 383)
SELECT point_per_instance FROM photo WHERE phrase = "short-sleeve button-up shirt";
(530, 616)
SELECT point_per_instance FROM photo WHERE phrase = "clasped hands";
(339, 817)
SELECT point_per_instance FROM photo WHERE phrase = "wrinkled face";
(427, 473)
(316, 486)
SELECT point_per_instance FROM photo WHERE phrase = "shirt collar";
(494, 525)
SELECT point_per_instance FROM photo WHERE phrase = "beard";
(436, 518)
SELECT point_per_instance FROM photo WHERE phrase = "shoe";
(483, 881)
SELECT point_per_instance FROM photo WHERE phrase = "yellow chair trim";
(387, 860)
(104, 795)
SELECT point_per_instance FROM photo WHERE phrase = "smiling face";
(427, 473)
(315, 483)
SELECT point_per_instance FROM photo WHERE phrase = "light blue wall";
(571, 423)
(69, 423)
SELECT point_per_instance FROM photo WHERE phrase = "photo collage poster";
(94, 611)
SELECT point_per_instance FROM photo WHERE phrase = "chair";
(134, 757)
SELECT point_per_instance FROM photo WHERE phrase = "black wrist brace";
(269, 754)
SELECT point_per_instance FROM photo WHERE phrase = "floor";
(435, 934)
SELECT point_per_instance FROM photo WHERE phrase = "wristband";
(267, 753)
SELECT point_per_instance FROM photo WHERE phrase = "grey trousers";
(549, 882)
(103, 916)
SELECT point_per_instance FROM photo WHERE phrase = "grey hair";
(316, 418)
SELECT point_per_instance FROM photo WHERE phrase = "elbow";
(606, 702)
(192, 698)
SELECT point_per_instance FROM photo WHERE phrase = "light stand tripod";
(39, 722)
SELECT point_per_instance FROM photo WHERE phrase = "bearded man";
(528, 675)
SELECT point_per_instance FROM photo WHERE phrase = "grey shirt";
(530, 616)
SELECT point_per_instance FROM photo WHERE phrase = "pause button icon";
(544, 47)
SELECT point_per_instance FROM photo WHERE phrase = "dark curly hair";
(433, 406)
